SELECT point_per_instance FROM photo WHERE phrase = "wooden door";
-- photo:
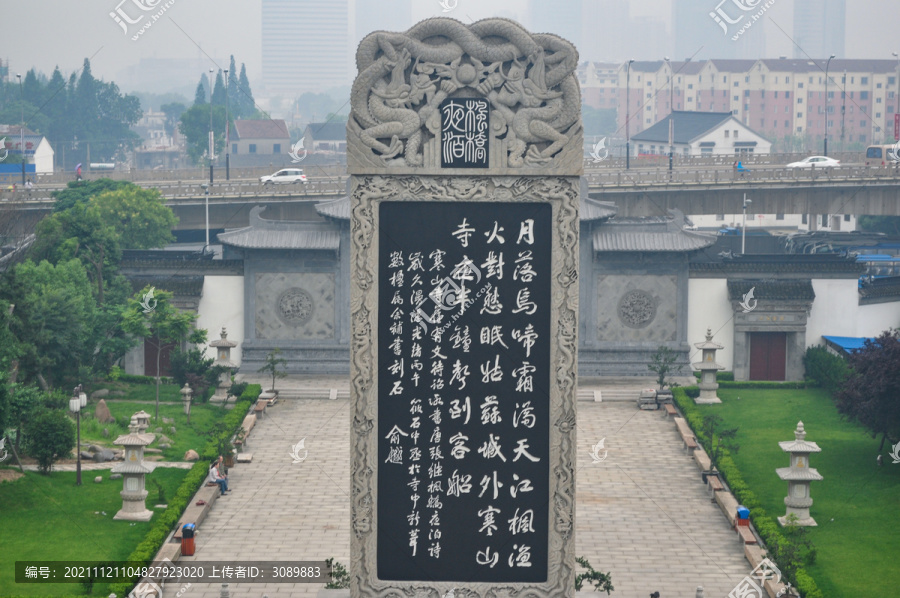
(151, 347)
(768, 355)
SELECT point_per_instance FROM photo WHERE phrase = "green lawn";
(192, 436)
(141, 392)
(50, 518)
(855, 505)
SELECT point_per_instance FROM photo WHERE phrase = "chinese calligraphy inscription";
(464, 133)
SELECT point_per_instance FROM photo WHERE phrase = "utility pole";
(747, 202)
(671, 113)
(227, 147)
(22, 127)
(827, 64)
(628, 114)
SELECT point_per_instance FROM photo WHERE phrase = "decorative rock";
(106, 432)
(117, 393)
(98, 479)
(164, 446)
(164, 439)
(152, 450)
(168, 420)
(87, 455)
(94, 448)
(100, 393)
(118, 455)
(115, 476)
(172, 430)
(101, 412)
(191, 455)
(103, 456)
(157, 430)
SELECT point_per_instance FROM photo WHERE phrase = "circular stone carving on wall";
(637, 309)
(295, 306)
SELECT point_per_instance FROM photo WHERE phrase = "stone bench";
(702, 459)
(195, 513)
(260, 408)
(670, 409)
(746, 534)
(729, 504)
(687, 435)
(715, 484)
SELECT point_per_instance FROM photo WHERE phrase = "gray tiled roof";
(338, 209)
(271, 234)
(261, 129)
(330, 131)
(650, 235)
(776, 290)
(688, 126)
(592, 209)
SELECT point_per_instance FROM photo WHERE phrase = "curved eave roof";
(257, 238)
(606, 240)
(339, 208)
(798, 474)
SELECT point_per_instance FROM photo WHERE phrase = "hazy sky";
(64, 32)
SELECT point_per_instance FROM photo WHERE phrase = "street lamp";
(897, 110)
(843, 106)
(827, 64)
(22, 128)
(747, 203)
(212, 148)
(628, 114)
(227, 151)
(671, 112)
(76, 404)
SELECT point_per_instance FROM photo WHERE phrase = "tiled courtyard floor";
(642, 513)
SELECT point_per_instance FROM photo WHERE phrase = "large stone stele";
(102, 413)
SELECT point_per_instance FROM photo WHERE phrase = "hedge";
(158, 533)
(766, 526)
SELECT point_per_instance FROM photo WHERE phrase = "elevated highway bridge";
(636, 192)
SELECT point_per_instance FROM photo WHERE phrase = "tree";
(162, 325)
(194, 125)
(201, 94)
(602, 582)
(247, 103)
(719, 440)
(274, 365)
(196, 370)
(173, 112)
(889, 225)
(140, 217)
(53, 321)
(82, 191)
(662, 363)
(869, 394)
(218, 96)
(50, 435)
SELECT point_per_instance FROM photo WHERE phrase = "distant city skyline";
(202, 34)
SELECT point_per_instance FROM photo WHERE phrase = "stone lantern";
(186, 399)
(223, 348)
(133, 470)
(798, 477)
(141, 421)
(708, 369)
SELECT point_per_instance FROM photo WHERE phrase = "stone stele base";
(807, 522)
(707, 400)
(124, 515)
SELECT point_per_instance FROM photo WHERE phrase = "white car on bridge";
(815, 162)
(284, 176)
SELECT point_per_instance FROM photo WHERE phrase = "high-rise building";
(305, 46)
(381, 15)
(560, 18)
(604, 31)
(819, 28)
(704, 29)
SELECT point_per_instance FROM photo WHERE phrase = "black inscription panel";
(464, 133)
(463, 391)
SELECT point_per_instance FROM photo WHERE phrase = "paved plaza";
(642, 513)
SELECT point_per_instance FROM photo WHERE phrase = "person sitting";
(217, 474)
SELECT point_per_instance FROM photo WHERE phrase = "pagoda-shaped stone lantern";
(140, 421)
(133, 470)
(223, 348)
(798, 477)
(708, 369)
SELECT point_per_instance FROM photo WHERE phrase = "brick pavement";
(642, 513)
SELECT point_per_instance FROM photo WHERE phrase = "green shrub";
(134, 379)
(825, 369)
(49, 435)
(720, 376)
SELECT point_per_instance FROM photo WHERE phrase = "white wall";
(222, 304)
(835, 310)
(709, 307)
(875, 319)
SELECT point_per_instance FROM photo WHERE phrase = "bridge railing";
(758, 175)
(653, 161)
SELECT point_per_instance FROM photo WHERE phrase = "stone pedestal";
(708, 369)
(798, 477)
